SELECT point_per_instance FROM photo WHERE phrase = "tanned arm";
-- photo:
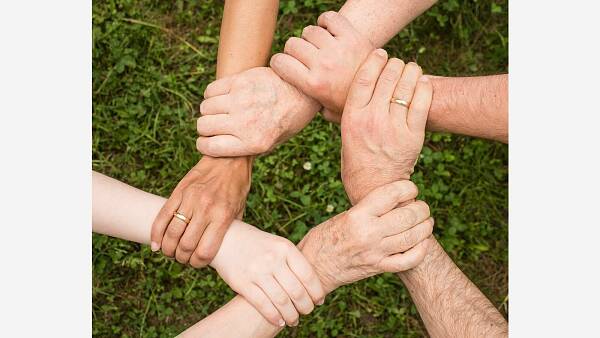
(245, 42)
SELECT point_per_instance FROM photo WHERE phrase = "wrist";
(418, 276)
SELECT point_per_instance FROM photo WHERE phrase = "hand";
(270, 272)
(323, 62)
(211, 196)
(381, 141)
(372, 237)
(250, 113)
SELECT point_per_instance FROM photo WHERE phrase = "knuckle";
(206, 200)
(403, 87)
(316, 83)
(425, 207)
(205, 252)
(268, 258)
(390, 75)
(368, 258)
(408, 239)
(364, 79)
(329, 64)
(291, 45)
(281, 299)
(297, 294)
(186, 246)
(410, 216)
(307, 30)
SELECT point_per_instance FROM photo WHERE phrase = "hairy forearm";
(448, 302)
(381, 20)
(474, 106)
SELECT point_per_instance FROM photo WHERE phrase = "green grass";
(151, 62)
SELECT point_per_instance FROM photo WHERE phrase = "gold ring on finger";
(399, 101)
(181, 217)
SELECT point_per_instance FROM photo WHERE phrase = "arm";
(247, 259)
(323, 67)
(246, 35)
(448, 302)
(475, 106)
(214, 192)
(264, 110)
(377, 237)
(450, 305)
(381, 20)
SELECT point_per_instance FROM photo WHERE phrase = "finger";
(215, 105)
(218, 87)
(332, 116)
(257, 298)
(318, 36)
(365, 79)
(335, 23)
(295, 290)
(384, 90)
(210, 242)
(159, 226)
(385, 198)
(307, 276)
(404, 90)
(280, 299)
(176, 228)
(407, 260)
(211, 125)
(405, 240)
(291, 70)
(419, 107)
(301, 50)
(222, 146)
(190, 238)
(401, 219)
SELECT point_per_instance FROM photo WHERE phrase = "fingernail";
(424, 78)
(154, 246)
(328, 15)
(321, 302)
(281, 323)
(294, 324)
(380, 52)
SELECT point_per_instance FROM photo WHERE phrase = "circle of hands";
(249, 114)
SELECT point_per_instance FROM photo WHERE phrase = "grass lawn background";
(151, 62)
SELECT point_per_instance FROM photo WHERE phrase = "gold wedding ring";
(181, 217)
(399, 101)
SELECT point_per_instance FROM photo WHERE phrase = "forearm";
(246, 35)
(122, 211)
(474, 106)
(381, 20)
(450, 305)
(237, 318)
